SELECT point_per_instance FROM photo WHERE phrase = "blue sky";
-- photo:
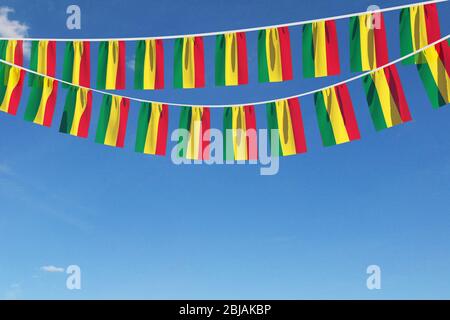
(141, 227)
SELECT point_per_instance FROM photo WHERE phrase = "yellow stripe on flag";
(195, 134)
(13, 80)
(188, 62)
(335, 115)
(80, 107)
(151, 140)
(440, 75)
(231, 59)
(273, 54)
(11, 51)
(42, 57)
(388, 106)
(112, 65)
(47, 90)
(285, 129)
(418, 27)
(239, 134)
(367, 38)
(320, 49)
(150, 64)
(77, 56)
(114, 122)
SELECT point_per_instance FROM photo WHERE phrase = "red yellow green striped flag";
(111, 65)
(386, 99)
(189, 64)
(42, 101)
(149, 65)
(196, 120)
(320, 49)
(419, 26)
(274, 55)
(285, 116)
(11, 78)
(42, 60)
(335, 115)
(231, 59)
(152, 129)
(240, 137)
(368, 45)
(77, 112)
(77, 63)
(435, 73)
(112, 123)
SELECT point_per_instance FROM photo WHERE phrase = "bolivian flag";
(111, 65)
(386, 99)
(274, 55)
(320, 49)
(335, 115)
(231, 59)
(368, 45)
(42, 101)
(11, 78)
(419, 26)
(189, 64)
(435, 73)
(112, 123)
(152, 129)
(149, 65)
(240, 140)
(285, 116)
(196, 120)
(42, 60)
(77, 63)
(77, 112)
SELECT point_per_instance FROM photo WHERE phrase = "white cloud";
(130, 64)
(13, 28)
(52, 269)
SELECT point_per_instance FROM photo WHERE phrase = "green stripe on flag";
(102, 64)
(69, 111)
(144, 117)
(355, 45)
(68, 64)
(309, 69)
(185, 123)
(103, 119)
(178, 64)
(323, 119)
(4, 69)
(228, 150)
(33, 78)
(139, 65)
(430, 85)
(33, 103)
(406, 45)
(263, 70)
(272, 124)
(220, 60)
(373, 100)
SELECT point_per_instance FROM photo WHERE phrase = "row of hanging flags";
(336, 118)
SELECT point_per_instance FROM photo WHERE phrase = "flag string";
(207, 34)
(229, 104)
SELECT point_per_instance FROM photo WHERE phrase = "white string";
(229, 104)
(206, 34)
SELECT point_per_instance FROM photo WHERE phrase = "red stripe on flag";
(205, 135)
(332, 48)
(380, 41)
(121, 72)
(85, 65)
(242, 58)
(443, 51)
(162, 131)
(297, 125)
(18, 54)
(159, 80)
(83, 127)
(252, 138)
(285, 47)
(199, 63)
(396, 88)
(432, 22)
(347, 111)
(51, 58)
(124, 107)
(50, 106)
(16, 94)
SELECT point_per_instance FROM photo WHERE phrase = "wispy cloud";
(52, 269)
(13, 28)
(130, 63)
(14, 292)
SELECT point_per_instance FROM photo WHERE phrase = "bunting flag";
(240, 137)
(419, 26)
(77, 63)
(231, 59)
(41, 104)
(189, 64)
(77, 112)
(152, 129)
(11, 92)
(111, 65)
(386, 99)
(112, 122)
(320, 49)
(368, 45)
(285, 117)
(335, 115)
(435, 73)
(12, 52)
(197, 122)
(149, 65)
(42, 60)
(274, 55)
